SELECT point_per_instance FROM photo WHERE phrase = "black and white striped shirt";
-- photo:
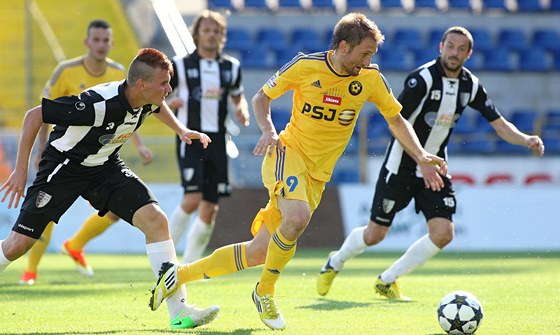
(91, 128)
(205, 84)
(433, 103)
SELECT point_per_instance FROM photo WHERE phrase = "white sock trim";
(163, 246)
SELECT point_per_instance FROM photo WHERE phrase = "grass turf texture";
(520, 293)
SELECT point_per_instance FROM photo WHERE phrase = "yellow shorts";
(285, 174)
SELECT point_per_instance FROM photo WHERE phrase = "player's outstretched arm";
(15, 185)
(143, 151)
(186, 135)
(509, 133)
(404, 133)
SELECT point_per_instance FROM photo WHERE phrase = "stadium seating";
(494, 4)
(256, 59)
(391, 4)
(356, 5)
(308, 39)
(256, 5)
(459, 4)
(220, 4)
(289, 4)
(524, 119)
(548, 39)
(555, 5)
(271, 38)
(393, 59)
(512, 39)
(285, 56)
(239, 39)
(408, 38)
(323, 4)
(425, 4)
(529, 6)
(280, 118)
(483, 40)
(345, 176)
(423, 56)
(498, 60)
(534, 60)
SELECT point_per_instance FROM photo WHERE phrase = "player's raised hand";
(189, 135)
(14, 187)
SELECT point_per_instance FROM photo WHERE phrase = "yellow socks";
(280, 251)
(228, 259)
(93, 226)
(38, 250)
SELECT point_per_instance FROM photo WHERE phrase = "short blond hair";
(354, 28)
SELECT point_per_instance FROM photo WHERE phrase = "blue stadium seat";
(460, 4)
(352, 146)
(271, 38)
(239, 39)
(394, 59)
(377, 126)
(551, 123)
(512, 39)
(425, 4)
(356, 5)
(556, 56)
(434, 38)
(548, 39)
(289, 4)
(524, 119)
(308, 39)
(494, 4)
(483, 40)
(253, 59)
(555, 5)
(390, 4)
(408, 38)
(481, 126)
(285, 56)
(220, 4)
(256, 4)
(533, 60)
(552, 144)
(498, 60)
(529, 6)
(465, 125)
(479, 146)
(475, 62)
(346, 176)
(323, 4)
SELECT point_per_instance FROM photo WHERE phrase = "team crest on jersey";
(355, 87)
(388, 205)
(43, 199)
(80, 105)
(412, 82)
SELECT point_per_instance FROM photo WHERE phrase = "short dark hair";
(146, 60)
(353, 28)
(461, 31)
(98, 23)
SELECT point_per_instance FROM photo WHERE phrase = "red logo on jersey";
(329, 99)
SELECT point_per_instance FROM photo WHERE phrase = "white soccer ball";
(460, 313)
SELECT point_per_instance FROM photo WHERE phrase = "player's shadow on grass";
(323, 304)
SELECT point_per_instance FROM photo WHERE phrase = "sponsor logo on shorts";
(42, 199)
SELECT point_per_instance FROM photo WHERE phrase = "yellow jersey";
(71, 77)
(326, 106)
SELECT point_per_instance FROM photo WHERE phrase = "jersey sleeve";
(383, 97)
(54, 87)
(484, 105)
(413, 92)
(283, 80)
(70, 111)
(237, 87)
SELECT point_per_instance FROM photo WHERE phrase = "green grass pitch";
(520, 293)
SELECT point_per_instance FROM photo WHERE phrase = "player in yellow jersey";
(329, 89)
(71, 77)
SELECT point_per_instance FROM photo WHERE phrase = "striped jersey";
(71, 77)
(326, 106)
(433, 103)
(205, 84)
(91, 128)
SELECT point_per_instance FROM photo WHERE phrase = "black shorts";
(394, 192)
(113, 187)
(204, 170)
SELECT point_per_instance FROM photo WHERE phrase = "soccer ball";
(459, 313)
